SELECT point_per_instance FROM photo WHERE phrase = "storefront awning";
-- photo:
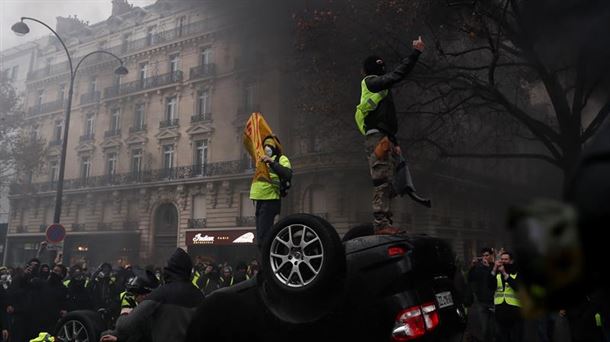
(221, 237)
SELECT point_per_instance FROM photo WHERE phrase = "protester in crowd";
(166, 313)
(481, 319)
(227, 279)
(103, 289)
(240, 272)
(54, 299)
(79, 298)
(504, 278)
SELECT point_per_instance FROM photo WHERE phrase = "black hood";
(178, 267)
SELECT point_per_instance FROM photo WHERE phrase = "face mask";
(268, 151)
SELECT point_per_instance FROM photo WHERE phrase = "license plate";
(444, 299)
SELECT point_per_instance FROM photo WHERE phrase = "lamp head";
(20, 28)
(121, 70)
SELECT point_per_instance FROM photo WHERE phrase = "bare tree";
(20, 152)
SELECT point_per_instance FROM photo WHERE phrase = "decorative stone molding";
(213, 194)
(228, 190)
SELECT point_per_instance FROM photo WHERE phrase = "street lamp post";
(21, 28)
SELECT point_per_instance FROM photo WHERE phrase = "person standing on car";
(267, 193)
(167, 312)
(509, 323)
(481, 313)
(376, 120)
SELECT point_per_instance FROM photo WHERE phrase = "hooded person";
(377, 121)
(167, 312)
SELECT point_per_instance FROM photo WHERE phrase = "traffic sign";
(56, 233)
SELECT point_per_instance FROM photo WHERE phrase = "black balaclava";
(373, 65)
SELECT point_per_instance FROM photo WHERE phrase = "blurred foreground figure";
(166, 313)
(564, 244)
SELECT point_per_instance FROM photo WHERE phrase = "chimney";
(70, 24)
(120, 6)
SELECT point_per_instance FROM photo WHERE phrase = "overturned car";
(313, 286)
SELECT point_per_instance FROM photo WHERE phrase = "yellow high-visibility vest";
(368, 103)
(505, 294)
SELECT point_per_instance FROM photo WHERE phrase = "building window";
(61, 92)
(35, 133)
(173, 62)
(139, 116)
(150, 35)
(143, 71)
(53, 171)
(170, 108)
(125, 42)
(180, 26)
(136, 161)
(203, 103)
(92, 84)
(168, 159)
(59, 127)
(115, 119)
(205, 56)
(89, 125)
(40, 97)
(85, 169)
(201, 156)
(111, 163)
(14, 72)
(249, 96)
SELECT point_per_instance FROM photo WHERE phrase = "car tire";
(79, 325)
(303, 256)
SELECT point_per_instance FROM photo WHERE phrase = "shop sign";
(221, 237)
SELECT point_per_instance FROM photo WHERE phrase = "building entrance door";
(166, 233)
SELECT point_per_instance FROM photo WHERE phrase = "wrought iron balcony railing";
(140, 128)
(201, 117)
(90, 97)
(181, 173)
(197, 223)
(112, 133)
(55, 142)
(46, 107)
(130, 225)
(87, 137)
(203, 71)
(242, 221)
(143, 84)
(168, 123)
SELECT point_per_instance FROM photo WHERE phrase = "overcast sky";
(47, 10)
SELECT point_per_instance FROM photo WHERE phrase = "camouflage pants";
(382, 172)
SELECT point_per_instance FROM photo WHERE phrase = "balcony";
(135, 129)
(201, 117)
(55, 142)
(203, 71)
(130, 225)
(46, 107)
(197, 223)
(147, 83)
(87, 137)
(78, 227)
(245, 221)
(168, 123)
(90, 97)
(112, 133)
(178, 174)
(104, 226)
(131, 46)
